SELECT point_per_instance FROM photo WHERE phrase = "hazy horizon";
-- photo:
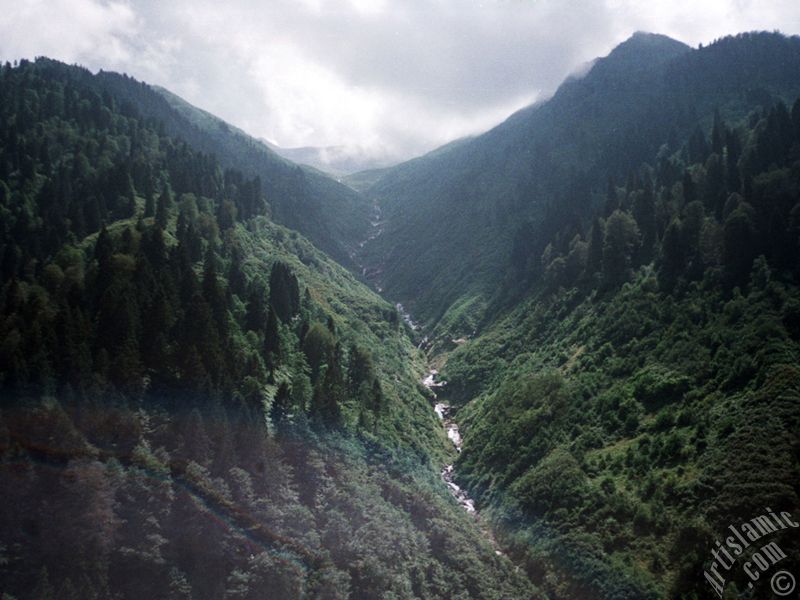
(384, 80)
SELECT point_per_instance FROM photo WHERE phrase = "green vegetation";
(328, 213)
(196, 402)
(613, 276)
(453, 217)
(643, 396)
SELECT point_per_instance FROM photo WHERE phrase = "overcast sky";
(399, 76)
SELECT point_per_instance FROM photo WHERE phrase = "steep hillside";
(196, 402)
(643, 395)
(454, 219)
(330, 214)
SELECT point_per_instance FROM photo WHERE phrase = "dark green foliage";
(319, 346)
(175, 422)
(254, 179)
(123, 308)
(330, 214)
(621, 242)
(272, 339)
(667, 412)
(615, 425)
(504, 195)
(314, 516)
(284, 295)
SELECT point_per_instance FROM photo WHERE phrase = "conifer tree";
(255, 317)
(281, 404)
(733, 152)
(284, 293)
(619, 245)
(717, 134)
(162, 210)
(272, 340)
(739, 244)
(672, 259)
(594, 260)
(645, 214)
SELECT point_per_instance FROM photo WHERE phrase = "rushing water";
(374, 232)
(410, 322)
(442, 410)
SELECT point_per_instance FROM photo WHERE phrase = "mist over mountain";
(304, 199)
(336, 160)
(468, 202)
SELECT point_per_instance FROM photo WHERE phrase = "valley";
(585, 299)
(554, 360)
(430, 382)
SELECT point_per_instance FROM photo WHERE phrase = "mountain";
(452, 217)
(614, 419)
(302, 198)
(195, 401)
(611, 284)
(336, 160)
(330, 214)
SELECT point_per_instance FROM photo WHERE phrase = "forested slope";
(455, 219)
(196, 402)
(330, 214)
(643, 395)
(327, 212)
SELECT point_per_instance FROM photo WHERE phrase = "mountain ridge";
(198, 402)
(326, 211)
(576, 135)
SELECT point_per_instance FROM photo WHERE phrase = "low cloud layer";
(390, 77)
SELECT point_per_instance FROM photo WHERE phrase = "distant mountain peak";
(649, 45)
(654, 39)
(640, 52)
(640, 34)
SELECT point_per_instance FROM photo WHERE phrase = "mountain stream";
(442, 409)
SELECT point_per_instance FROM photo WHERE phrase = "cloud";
(72, 30)
(392, 77)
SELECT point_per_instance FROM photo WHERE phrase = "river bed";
(442, 410)
(431, 382)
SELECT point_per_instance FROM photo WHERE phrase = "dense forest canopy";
(197, 403)
(644, 394)
(646, 98)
